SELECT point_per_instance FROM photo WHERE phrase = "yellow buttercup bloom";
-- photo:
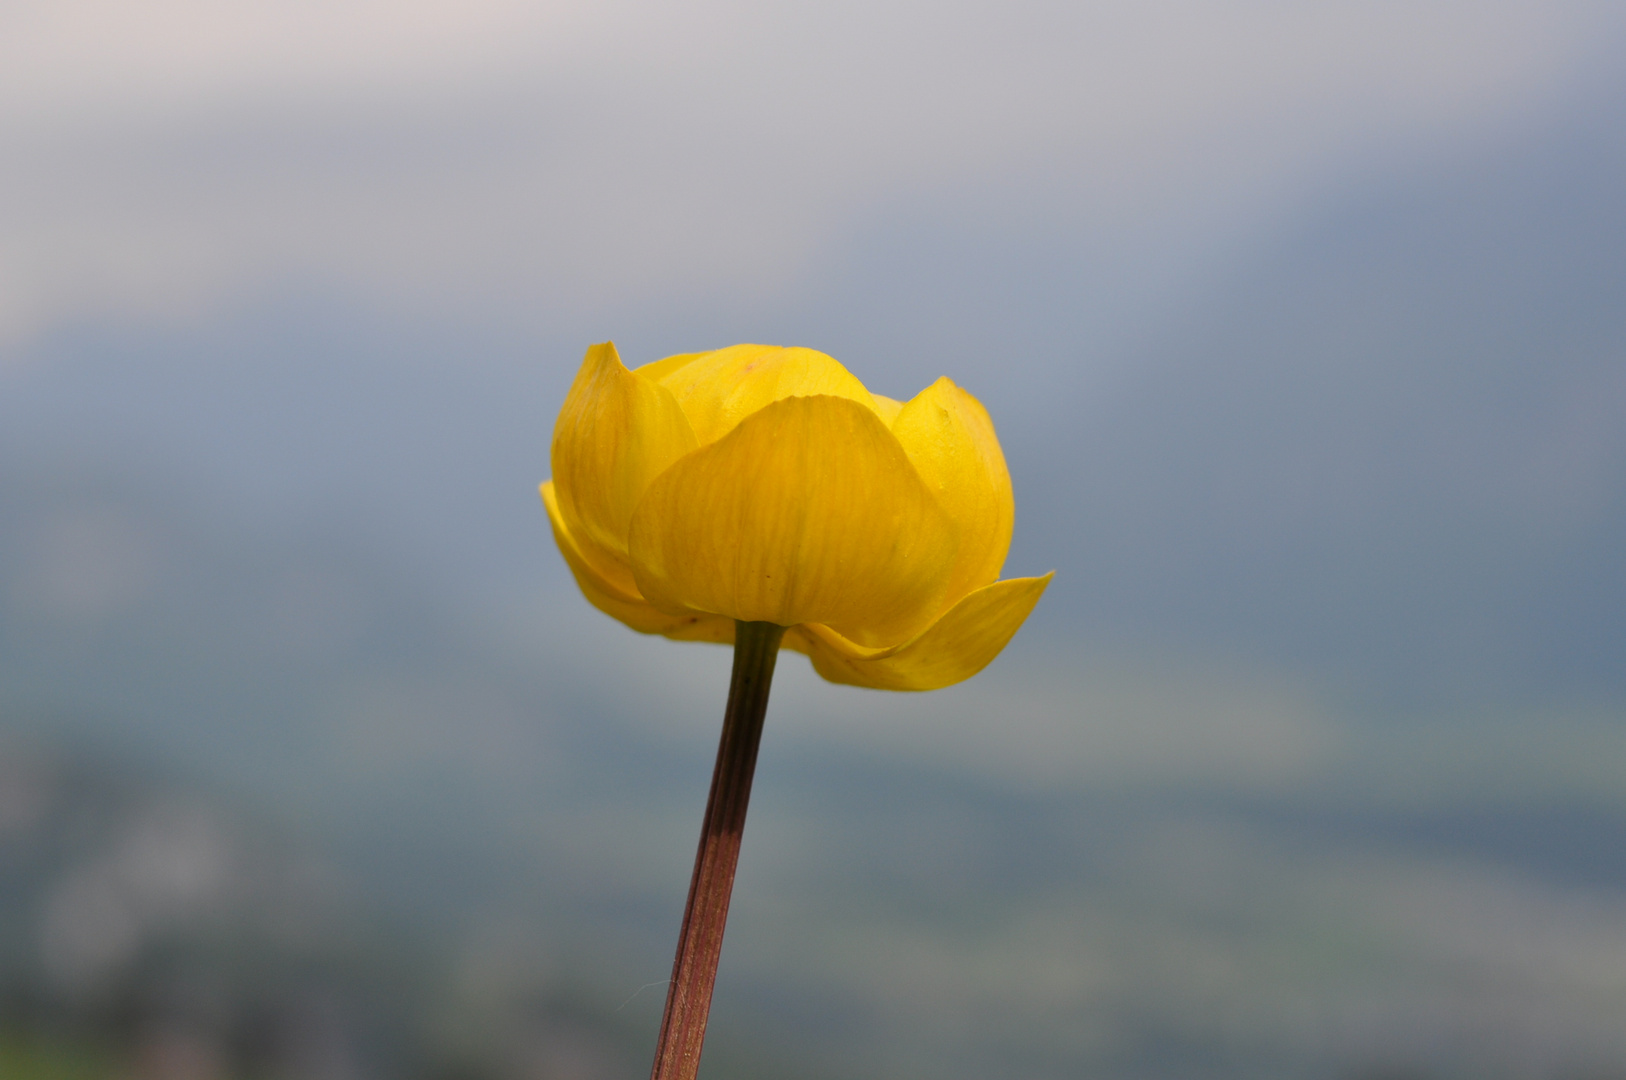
(768, 485)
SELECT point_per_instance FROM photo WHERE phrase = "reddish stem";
(700, 943)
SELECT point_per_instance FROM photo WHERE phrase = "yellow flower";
(766, 484)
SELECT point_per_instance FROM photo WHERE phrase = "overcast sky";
(511, 161)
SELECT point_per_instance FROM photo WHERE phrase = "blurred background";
(1304, 326)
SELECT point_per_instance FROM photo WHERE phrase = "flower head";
(767, 484)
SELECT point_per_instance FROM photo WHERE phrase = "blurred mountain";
(1392, 450)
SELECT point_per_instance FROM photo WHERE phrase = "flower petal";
(660, 369)
(719, 389)
(633, 610)
(616, 433)
(951, 442)
(808, 511)
(954, 648)
(887, 408)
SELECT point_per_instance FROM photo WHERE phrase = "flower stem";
(700, 943)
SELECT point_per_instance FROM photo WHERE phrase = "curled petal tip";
(954, 648)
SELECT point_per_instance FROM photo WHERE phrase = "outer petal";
(616, 433)
(951, 441)
(954, 648)
(808, 511)
(719, 389)
(632, 609)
